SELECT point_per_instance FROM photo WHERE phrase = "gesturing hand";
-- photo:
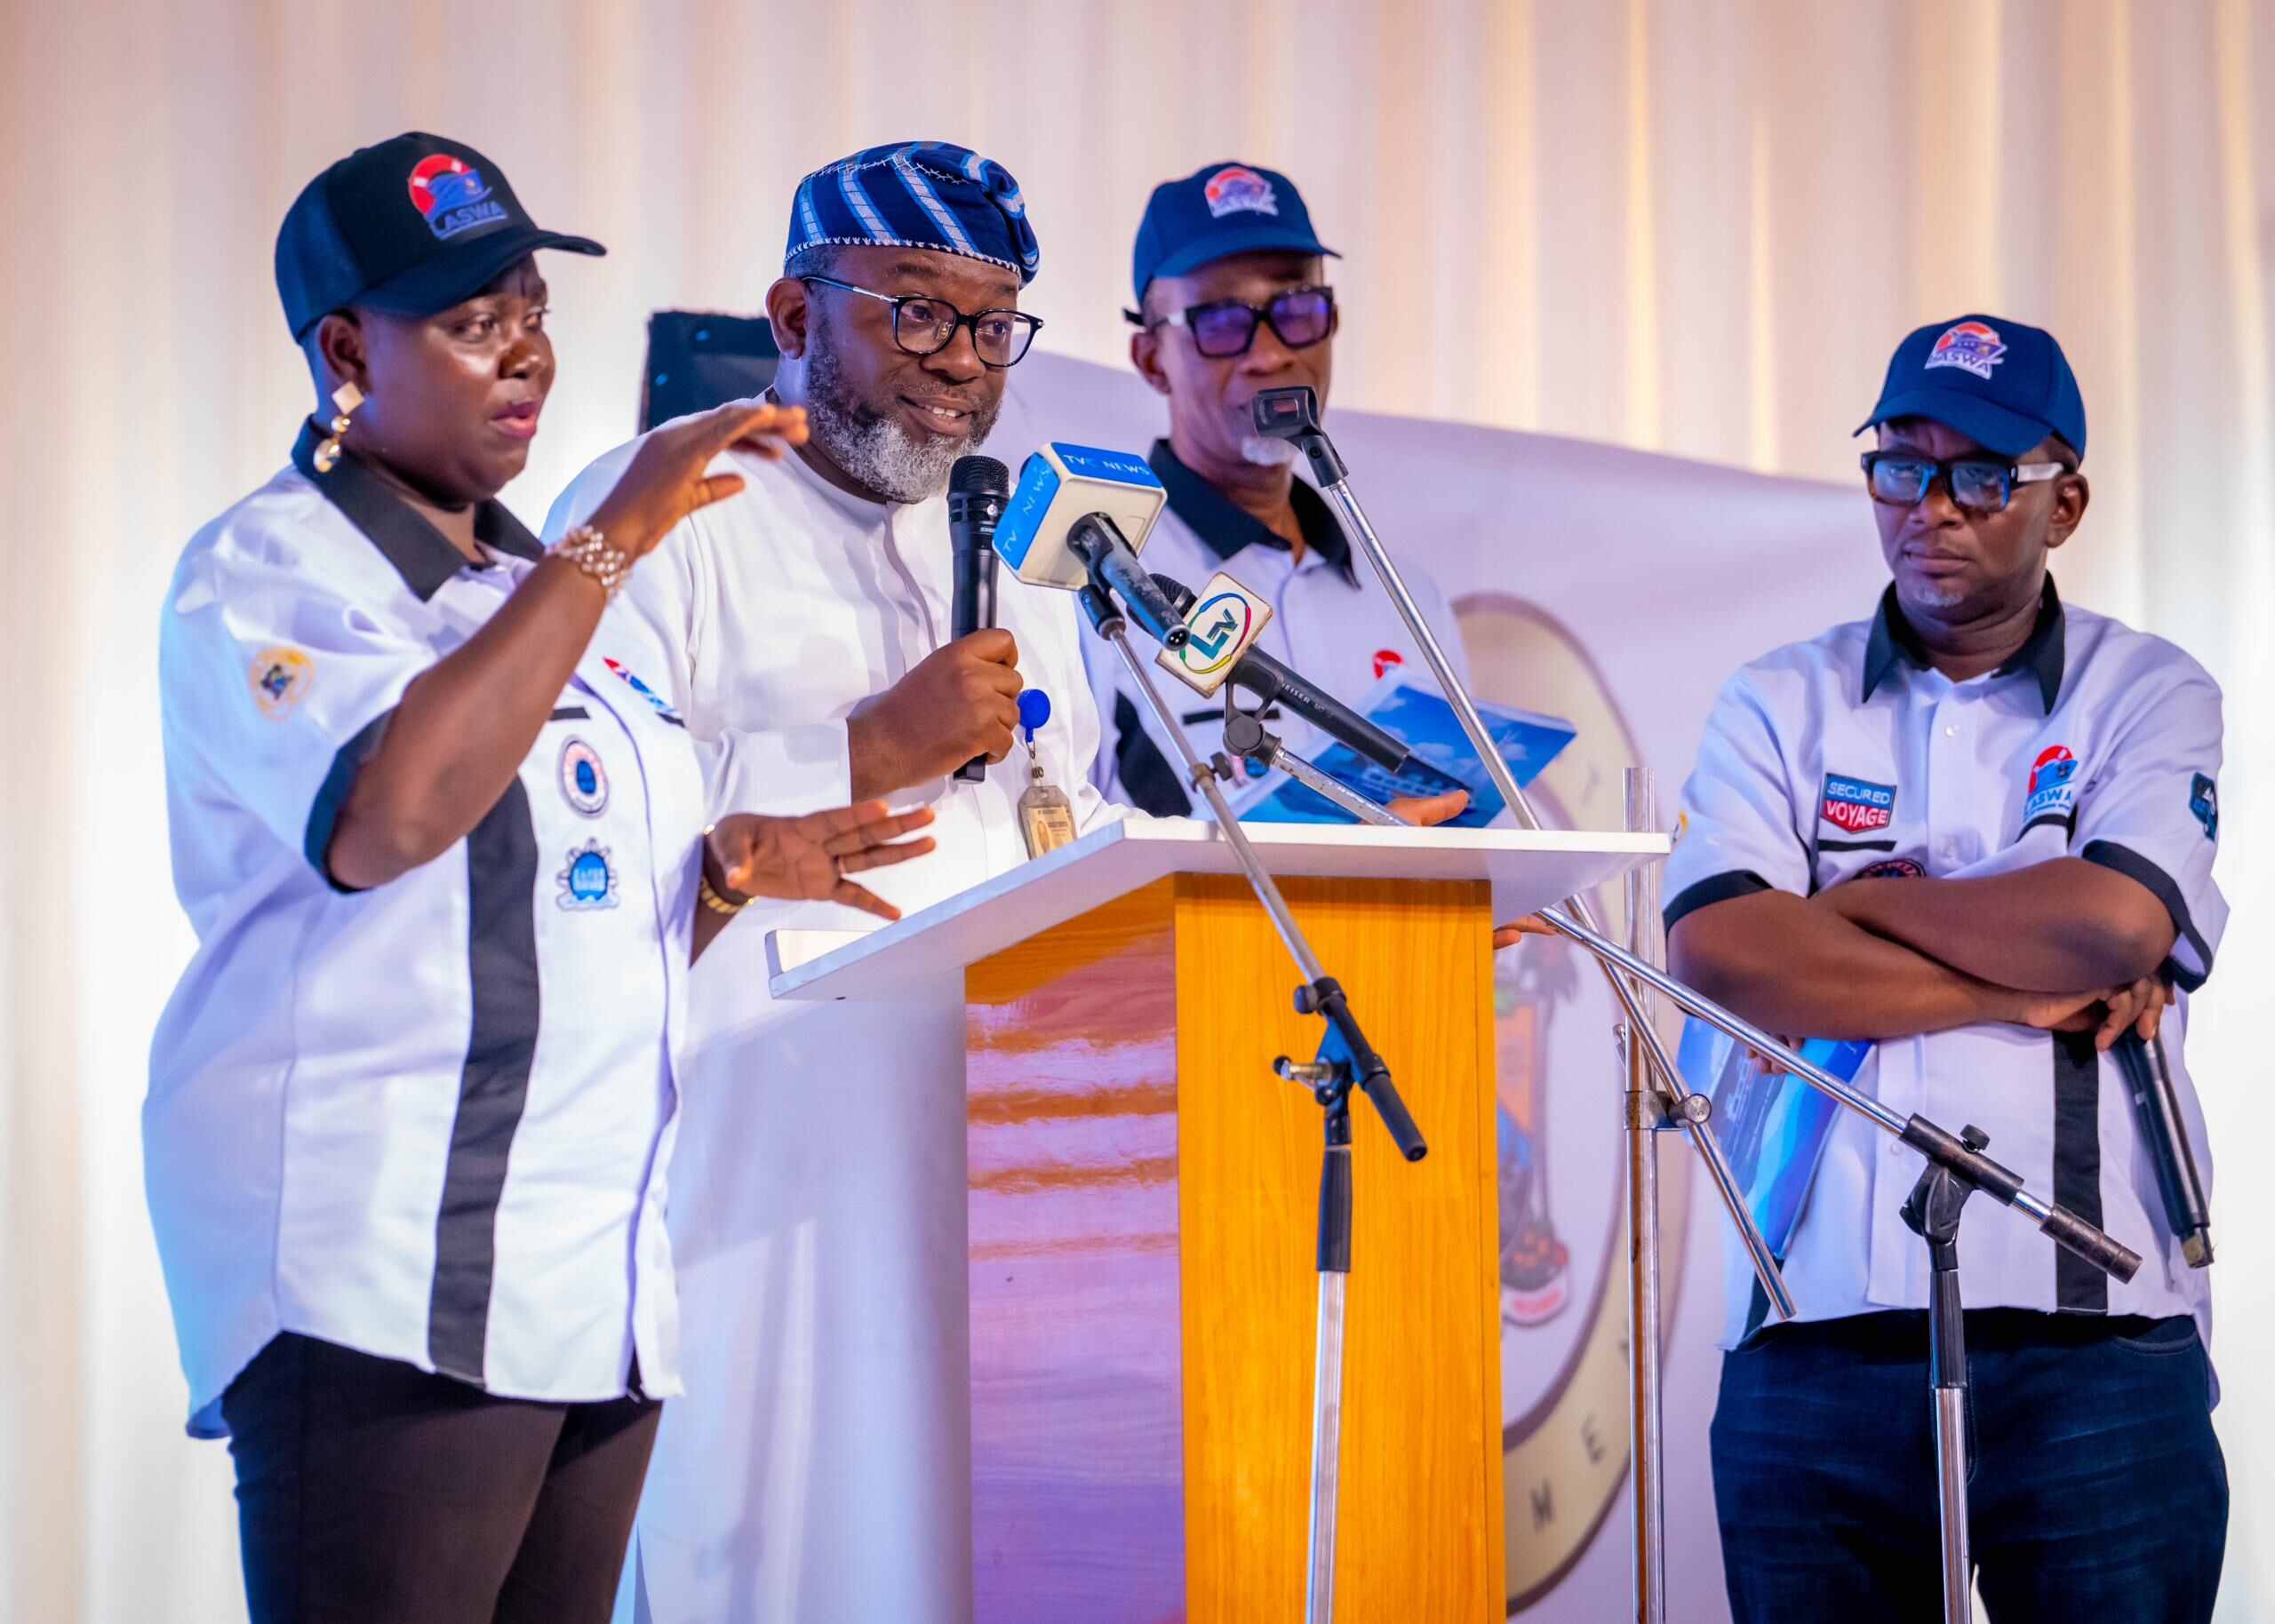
(665, 480)
(808, 858)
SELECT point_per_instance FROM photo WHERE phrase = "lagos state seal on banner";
(1563, 1307)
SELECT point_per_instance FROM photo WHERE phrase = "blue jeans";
(2095, 1489)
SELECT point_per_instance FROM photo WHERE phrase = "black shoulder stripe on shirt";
(501, 872)
(2068, 821)
(2124, 860)
(1146, 776)
(323, 814)
(570, 713)
(2079, 1286)
(1715, 888)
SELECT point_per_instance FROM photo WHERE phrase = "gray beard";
(1265, 452)
(897, 462)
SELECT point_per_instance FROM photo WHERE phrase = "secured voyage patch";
(1856, 805)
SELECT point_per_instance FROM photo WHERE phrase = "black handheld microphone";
(977, 488)
(1273, 682)
(2165, 1132)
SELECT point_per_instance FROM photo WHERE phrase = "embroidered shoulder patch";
(2204, 800)
(280, 679)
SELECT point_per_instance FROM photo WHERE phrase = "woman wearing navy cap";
(445, 851)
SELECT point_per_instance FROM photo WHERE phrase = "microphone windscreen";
(978, 476)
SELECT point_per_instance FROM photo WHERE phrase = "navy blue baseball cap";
(2003, 386)
(1219, 211)
(414, 226)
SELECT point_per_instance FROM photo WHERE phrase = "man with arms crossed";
(1976, 829)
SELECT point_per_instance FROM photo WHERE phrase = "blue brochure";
(1773, 1127)
(1420, 719)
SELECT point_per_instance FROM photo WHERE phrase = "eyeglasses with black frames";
(923, 325)
(1224, 328)
(1979, 484)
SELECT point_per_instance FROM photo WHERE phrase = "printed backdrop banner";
(1616, 589)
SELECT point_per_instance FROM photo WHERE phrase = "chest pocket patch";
(584, 781)
(1856, 805)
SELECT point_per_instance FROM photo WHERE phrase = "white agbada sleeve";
(671, 596)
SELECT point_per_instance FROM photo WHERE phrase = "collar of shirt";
(421, 554)
(2042, 653)
(1226, 530)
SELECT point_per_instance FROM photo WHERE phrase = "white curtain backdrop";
(1690, 225)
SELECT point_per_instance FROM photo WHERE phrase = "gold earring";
(346, 398)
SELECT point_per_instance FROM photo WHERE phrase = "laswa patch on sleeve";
(662, 706)
(280, 679)
(2204, 800)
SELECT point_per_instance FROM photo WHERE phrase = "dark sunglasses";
(1300, 318)
(1979, 484)
(923, 325)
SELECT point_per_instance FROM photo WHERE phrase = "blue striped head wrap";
(917, 194)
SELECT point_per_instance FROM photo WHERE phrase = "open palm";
(808, 858)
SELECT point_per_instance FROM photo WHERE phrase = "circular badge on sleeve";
(584, 781)
(280, 679)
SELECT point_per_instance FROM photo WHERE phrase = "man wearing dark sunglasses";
(1976, 830)
(1232, 299)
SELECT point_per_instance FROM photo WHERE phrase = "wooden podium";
(1143, 1208)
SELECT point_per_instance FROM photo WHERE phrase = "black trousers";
(372, 1492)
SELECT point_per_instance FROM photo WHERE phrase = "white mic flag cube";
(1224, 622)
(1061, 485)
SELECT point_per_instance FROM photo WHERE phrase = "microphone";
(977, 488)
(1079, 517)
(2167, 1133)
(1113, 562)
(1206, 621)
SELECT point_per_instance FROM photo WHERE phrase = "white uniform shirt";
(820, 1466)
(1851, 755)
(427, 1121)
(1331, 621)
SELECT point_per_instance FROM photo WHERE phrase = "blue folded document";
(1420, 719)
(1773, 1127)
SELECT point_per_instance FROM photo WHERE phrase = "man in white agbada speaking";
(819, 1468)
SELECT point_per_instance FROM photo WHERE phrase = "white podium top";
(1527, 872)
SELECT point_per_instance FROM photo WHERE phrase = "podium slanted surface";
(1143, 1207)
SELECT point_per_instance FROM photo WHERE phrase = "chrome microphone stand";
(1642, 1119)
(1293, 415)
(1346, 1060)
(1932, 1211)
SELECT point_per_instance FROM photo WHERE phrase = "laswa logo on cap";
(1970, 345)
(1233, 189)
(452, 196)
